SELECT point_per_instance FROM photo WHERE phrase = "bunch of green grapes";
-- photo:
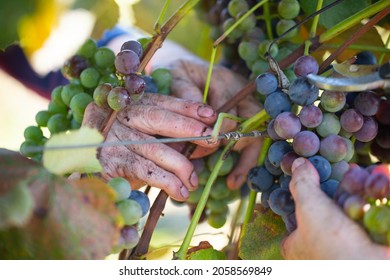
(97, 75)
(217, 209)
(132, 205)
(245, 47)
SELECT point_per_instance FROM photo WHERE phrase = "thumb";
(305, 181)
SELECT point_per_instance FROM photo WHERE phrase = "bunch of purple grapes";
(322, 128)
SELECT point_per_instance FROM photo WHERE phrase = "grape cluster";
(364, 195)
(94, 74)
(217, 210)
(132, 205)
(325, 128)
(246, 45)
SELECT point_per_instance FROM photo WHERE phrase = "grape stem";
(267, 19)
(160, 19)
(314, 26)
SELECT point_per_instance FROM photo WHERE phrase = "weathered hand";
(158, 165)
(189, 78)
(323, 231)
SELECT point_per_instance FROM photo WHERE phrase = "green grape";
(144, 42)
(264, 46)
(122, 188)
(203, 176)
(104, 57)
(216, 220)
(248, 51)
(285, 24)
(163, 79)
(56, 97)
(33, 133)
(100, 94)
(70, 90)
(195, 195)
(109, 79)
(118, 98)
(79, 102)
(236, 7)
(217, 206)
(259, 67)
(78, 118)
(236, 33)
(130, 210)
(233, 195)
(248, 23)
(288, 9)
(57, 109)
(74, 124)
(330, 125)
(89, 77)
(26, 146)
(227, 164)
(58, 123)
(88, 49)
(42, 117)
(377, 219)
(219, 190)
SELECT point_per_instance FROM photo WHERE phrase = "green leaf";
(205, 251)
(262, 237)
(69, 219)
(337, 13)
(63, 161)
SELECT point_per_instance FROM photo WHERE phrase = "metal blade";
(368, 82)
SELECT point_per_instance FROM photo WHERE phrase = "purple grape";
(271, 131)
(367, 103)
(322, 166)
(277, 103)
(305, 65)
(284, 182)
(275, 171)
(135, 85)
(329, 187)
(129, 237)
(306, 143)
(302, 92)
(134, 46)
(265, 195)
(365, 58)
(368, 131)
(383, 137)
(290, 222)
(127, 62)
(74, 66)
(333, 148)
(277, 150)
(339, 169)
(350, 149)
(333, 101)
(281, 202)
(377, 186)
(351, 120)
(259, 179)
(354, 207)
(287, 125)
(310, 116)
(142, 199)
(354, 179)
(287, 161)
(266, 83)
(383, 114)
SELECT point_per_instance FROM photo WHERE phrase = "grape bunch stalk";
(323, 126)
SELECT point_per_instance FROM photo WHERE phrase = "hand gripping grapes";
(163, 166)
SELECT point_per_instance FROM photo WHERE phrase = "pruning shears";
(379, 78)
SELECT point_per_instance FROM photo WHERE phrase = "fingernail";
(194, 179)
(298, 162)
(205, 111)
(184, 192)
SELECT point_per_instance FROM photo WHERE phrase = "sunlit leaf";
(69, 220)
(205, 251)
(63, 161)
(262, 237)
